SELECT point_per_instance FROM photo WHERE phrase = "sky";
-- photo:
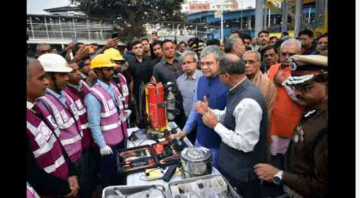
(37, 6)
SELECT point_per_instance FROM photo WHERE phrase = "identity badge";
(125, 90)
(64, 116)
(111, 104)
(79, 104)
(45, 131)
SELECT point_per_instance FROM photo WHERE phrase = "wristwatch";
(278, 177)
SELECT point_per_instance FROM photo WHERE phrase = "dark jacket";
(306, 164)
(237, 163)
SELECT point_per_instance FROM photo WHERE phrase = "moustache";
(299, 97)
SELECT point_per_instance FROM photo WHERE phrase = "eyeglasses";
(250, 62)
(209, 64)
(189, 62)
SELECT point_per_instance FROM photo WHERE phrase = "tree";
(131, 15)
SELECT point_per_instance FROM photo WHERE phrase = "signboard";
(217, 14)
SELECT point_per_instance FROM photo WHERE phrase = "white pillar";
(74, 27)
(32, 28)
(222, 25)
(269, 23)
(259, 12)
(242, 10)
(61, 32)
(46, 27)
(88, 28)
(264, 20)
(298, 18)
(285, 13)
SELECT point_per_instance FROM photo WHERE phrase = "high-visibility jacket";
(67, 119)
(30, 192)
(45, 146)
(78, 97)
(112, 115)
(124, 89)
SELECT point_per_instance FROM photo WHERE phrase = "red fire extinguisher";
(155, 105)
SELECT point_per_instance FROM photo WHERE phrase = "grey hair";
(28, 60)
(212, 49)
(258, 56)
(232, 65)
(40, 45)
(189, 53)
(291, 41)
(230, 42)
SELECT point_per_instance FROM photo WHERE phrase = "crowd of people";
(259, 104)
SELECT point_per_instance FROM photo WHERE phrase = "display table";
(140, 178)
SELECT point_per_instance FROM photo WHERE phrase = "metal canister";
(196, 161)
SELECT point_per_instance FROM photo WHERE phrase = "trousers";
(108, 166)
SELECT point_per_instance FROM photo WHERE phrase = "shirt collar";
(58, 96)
(143, 58)
(83, 75)
(29, 105)
(166, 62)
(237, 84)
(102, 84)
(194, 75)
(76, 87)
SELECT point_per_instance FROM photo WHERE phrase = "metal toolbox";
(140, 191)
(231, 193)
(168, 152)
(135, 159)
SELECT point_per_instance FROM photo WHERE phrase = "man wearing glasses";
(242, 127)
(287, 112)
(252, 60)
(187, 82)
(305, 174)
(211, 90)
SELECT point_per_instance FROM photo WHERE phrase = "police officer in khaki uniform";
(305, 173)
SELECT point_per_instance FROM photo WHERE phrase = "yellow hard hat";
(101, 60)
(114, 54)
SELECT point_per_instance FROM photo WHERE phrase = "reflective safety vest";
(78, 98)
(112, 115)
(123, 87)
(30, 192)
(68, 122)
(45, 146)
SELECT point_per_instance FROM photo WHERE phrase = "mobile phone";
(114, 35)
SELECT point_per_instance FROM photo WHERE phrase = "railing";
(69, 35)
(66, 30)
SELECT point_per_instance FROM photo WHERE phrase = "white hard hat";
(54, 63)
